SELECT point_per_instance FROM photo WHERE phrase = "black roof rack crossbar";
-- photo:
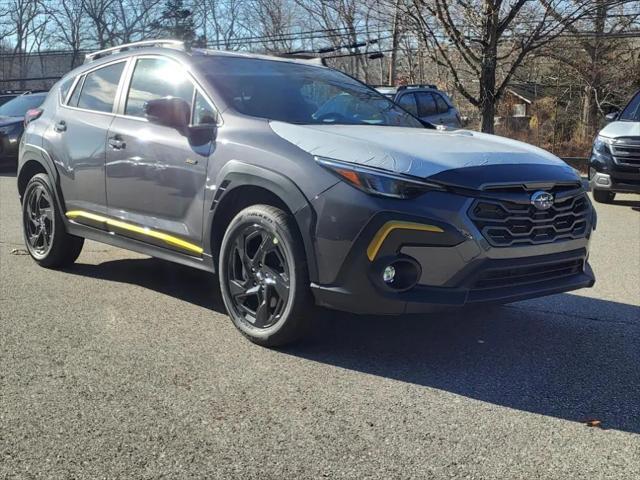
(89, 57)
(418, 85)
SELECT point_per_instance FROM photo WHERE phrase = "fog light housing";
(389, 274)
(398, 273)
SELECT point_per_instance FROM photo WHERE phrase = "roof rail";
(89, 57)
(305, 57)
(418, 85)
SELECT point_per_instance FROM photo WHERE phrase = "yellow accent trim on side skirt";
(387, 228)
(164, 237)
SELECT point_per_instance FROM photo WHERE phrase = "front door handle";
(61, 126)
(116, 143)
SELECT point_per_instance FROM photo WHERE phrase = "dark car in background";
(12, 116)
(614, 166)
(425, 102)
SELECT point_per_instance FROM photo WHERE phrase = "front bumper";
(606, 174)
(618, 183)
(564, 272)
(454, 266)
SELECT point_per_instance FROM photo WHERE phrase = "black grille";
(626, 151)
(509, 277)
(505, 223)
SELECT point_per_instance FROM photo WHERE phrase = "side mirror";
(169, 111)
(612, 116)
(202, 134)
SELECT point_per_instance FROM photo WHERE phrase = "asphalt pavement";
(126, 367)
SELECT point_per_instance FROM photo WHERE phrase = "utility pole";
(394, 45)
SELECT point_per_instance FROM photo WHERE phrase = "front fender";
(236, 174)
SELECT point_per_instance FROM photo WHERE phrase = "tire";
(603, 196)
(45, 236)
(261, 262)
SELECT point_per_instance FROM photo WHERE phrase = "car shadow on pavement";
(565, 356)
(634, 204)
(8, 172)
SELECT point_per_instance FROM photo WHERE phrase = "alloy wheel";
(38, 221)
(258, 276)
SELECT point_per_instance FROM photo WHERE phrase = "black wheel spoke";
(237, 289)
(48, 213)
(30, 213)
(279, 283)
(45, 239)
(241, 251)
(263, 313)
(36, 200)
(33, 239)
(265, 247)
(257, 279)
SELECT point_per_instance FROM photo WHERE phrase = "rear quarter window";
(65, 86)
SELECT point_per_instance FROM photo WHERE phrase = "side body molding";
(237, 174)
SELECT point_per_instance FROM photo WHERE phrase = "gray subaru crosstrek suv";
(222, 161)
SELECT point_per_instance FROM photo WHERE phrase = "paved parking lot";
(127, 367)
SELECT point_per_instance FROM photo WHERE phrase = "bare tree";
(221, 22)
(136, 19)
(25, 18)
(483, 42)
(342, 22)
(271, 21)
(597, 41)
(99, 14)
(69, 24)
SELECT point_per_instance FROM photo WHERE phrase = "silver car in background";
(425, 102)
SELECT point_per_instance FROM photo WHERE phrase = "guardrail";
(579, 163)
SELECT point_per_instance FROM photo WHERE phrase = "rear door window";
(100, 87)
(441, 104)
(408, 102)
(426, 104)
(155, 78)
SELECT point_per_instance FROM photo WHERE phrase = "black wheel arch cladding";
(236, 174)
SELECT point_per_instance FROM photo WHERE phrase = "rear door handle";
(116, 143)
(61, 126)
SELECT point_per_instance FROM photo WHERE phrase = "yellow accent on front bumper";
(387, 228)
(163, 237)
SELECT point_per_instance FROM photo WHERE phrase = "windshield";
(19, 105)
(632, 111)
(303, 94)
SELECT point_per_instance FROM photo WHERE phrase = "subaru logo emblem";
(542, 200)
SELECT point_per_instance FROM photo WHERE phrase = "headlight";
(601, 146)
(378, 182)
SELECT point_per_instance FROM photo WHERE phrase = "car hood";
(417, 152)
(4, 121)
(621, 129)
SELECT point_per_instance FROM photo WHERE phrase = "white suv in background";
(614, 166)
